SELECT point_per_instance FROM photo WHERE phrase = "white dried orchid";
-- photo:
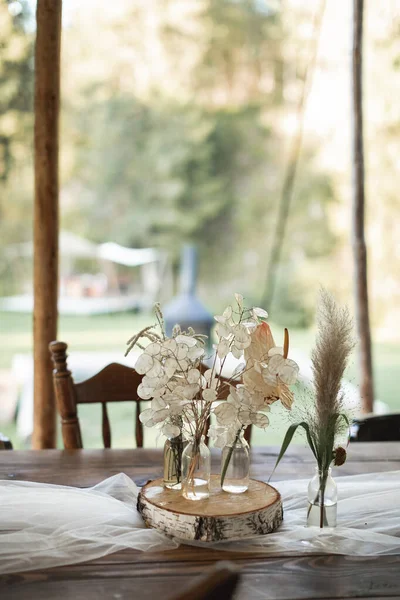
(171, 378)
(266, 373)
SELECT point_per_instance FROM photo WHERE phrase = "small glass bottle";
(322, 500)
(196, 470)
(173, 449)
(237, 454)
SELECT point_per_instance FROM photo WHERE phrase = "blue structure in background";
(185, 308)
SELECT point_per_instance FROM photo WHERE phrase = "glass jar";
(322, 499)
(235, 466)
(173, 449)
(196, 470)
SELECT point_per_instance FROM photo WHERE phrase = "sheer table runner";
(43, 525)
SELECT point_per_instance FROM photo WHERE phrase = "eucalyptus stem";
(321, 507)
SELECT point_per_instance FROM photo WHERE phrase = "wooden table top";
(148, 575)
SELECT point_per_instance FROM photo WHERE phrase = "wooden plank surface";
(148, 575)
(278, 578)
(84, 468)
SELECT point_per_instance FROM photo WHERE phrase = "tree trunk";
(47, 101)
(285, 201)
(359, 247)
(222, 516)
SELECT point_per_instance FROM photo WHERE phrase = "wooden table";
(138, 575)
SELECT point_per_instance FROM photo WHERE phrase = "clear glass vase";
(196, 470)
(173, 450)
(235, 466)
(322, 499)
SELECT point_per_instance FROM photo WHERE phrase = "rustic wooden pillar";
(47, 102)
(359, 246)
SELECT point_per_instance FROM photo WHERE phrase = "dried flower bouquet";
(325, 417)
(184, 392)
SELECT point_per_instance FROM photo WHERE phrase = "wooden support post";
(47, 102)
(359, 246)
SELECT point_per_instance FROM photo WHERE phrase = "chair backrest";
(218, 584)
(376, 428)
(5, 443)
(114, 383)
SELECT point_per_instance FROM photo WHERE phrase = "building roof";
(74, 246)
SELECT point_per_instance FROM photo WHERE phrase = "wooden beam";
(359, 246)
(47, 103)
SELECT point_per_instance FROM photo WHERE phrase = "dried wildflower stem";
(329, 360)
(135, 338)
(286, 344)
(190, 483)
(327, 418)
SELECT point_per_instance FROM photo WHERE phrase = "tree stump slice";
(222, 516)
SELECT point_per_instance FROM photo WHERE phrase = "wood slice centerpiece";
(222, 516)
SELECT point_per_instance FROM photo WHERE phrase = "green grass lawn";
(108, 333)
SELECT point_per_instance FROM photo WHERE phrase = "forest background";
(177, 121)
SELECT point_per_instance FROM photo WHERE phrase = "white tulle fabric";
(45, 525)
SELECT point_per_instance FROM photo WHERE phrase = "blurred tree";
(162, 174)
(176, 171)
(242, 53)
(142, 167)
(289, 176)
(16, 83)
(16, 129)
(382, 129)
(172, 131)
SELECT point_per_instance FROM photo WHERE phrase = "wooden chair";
(5, 443)
(114, 383)
(218, 584)
(376, 428)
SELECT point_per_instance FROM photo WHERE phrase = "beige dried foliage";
(324, 417)
(330, 356)
(261, 342)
